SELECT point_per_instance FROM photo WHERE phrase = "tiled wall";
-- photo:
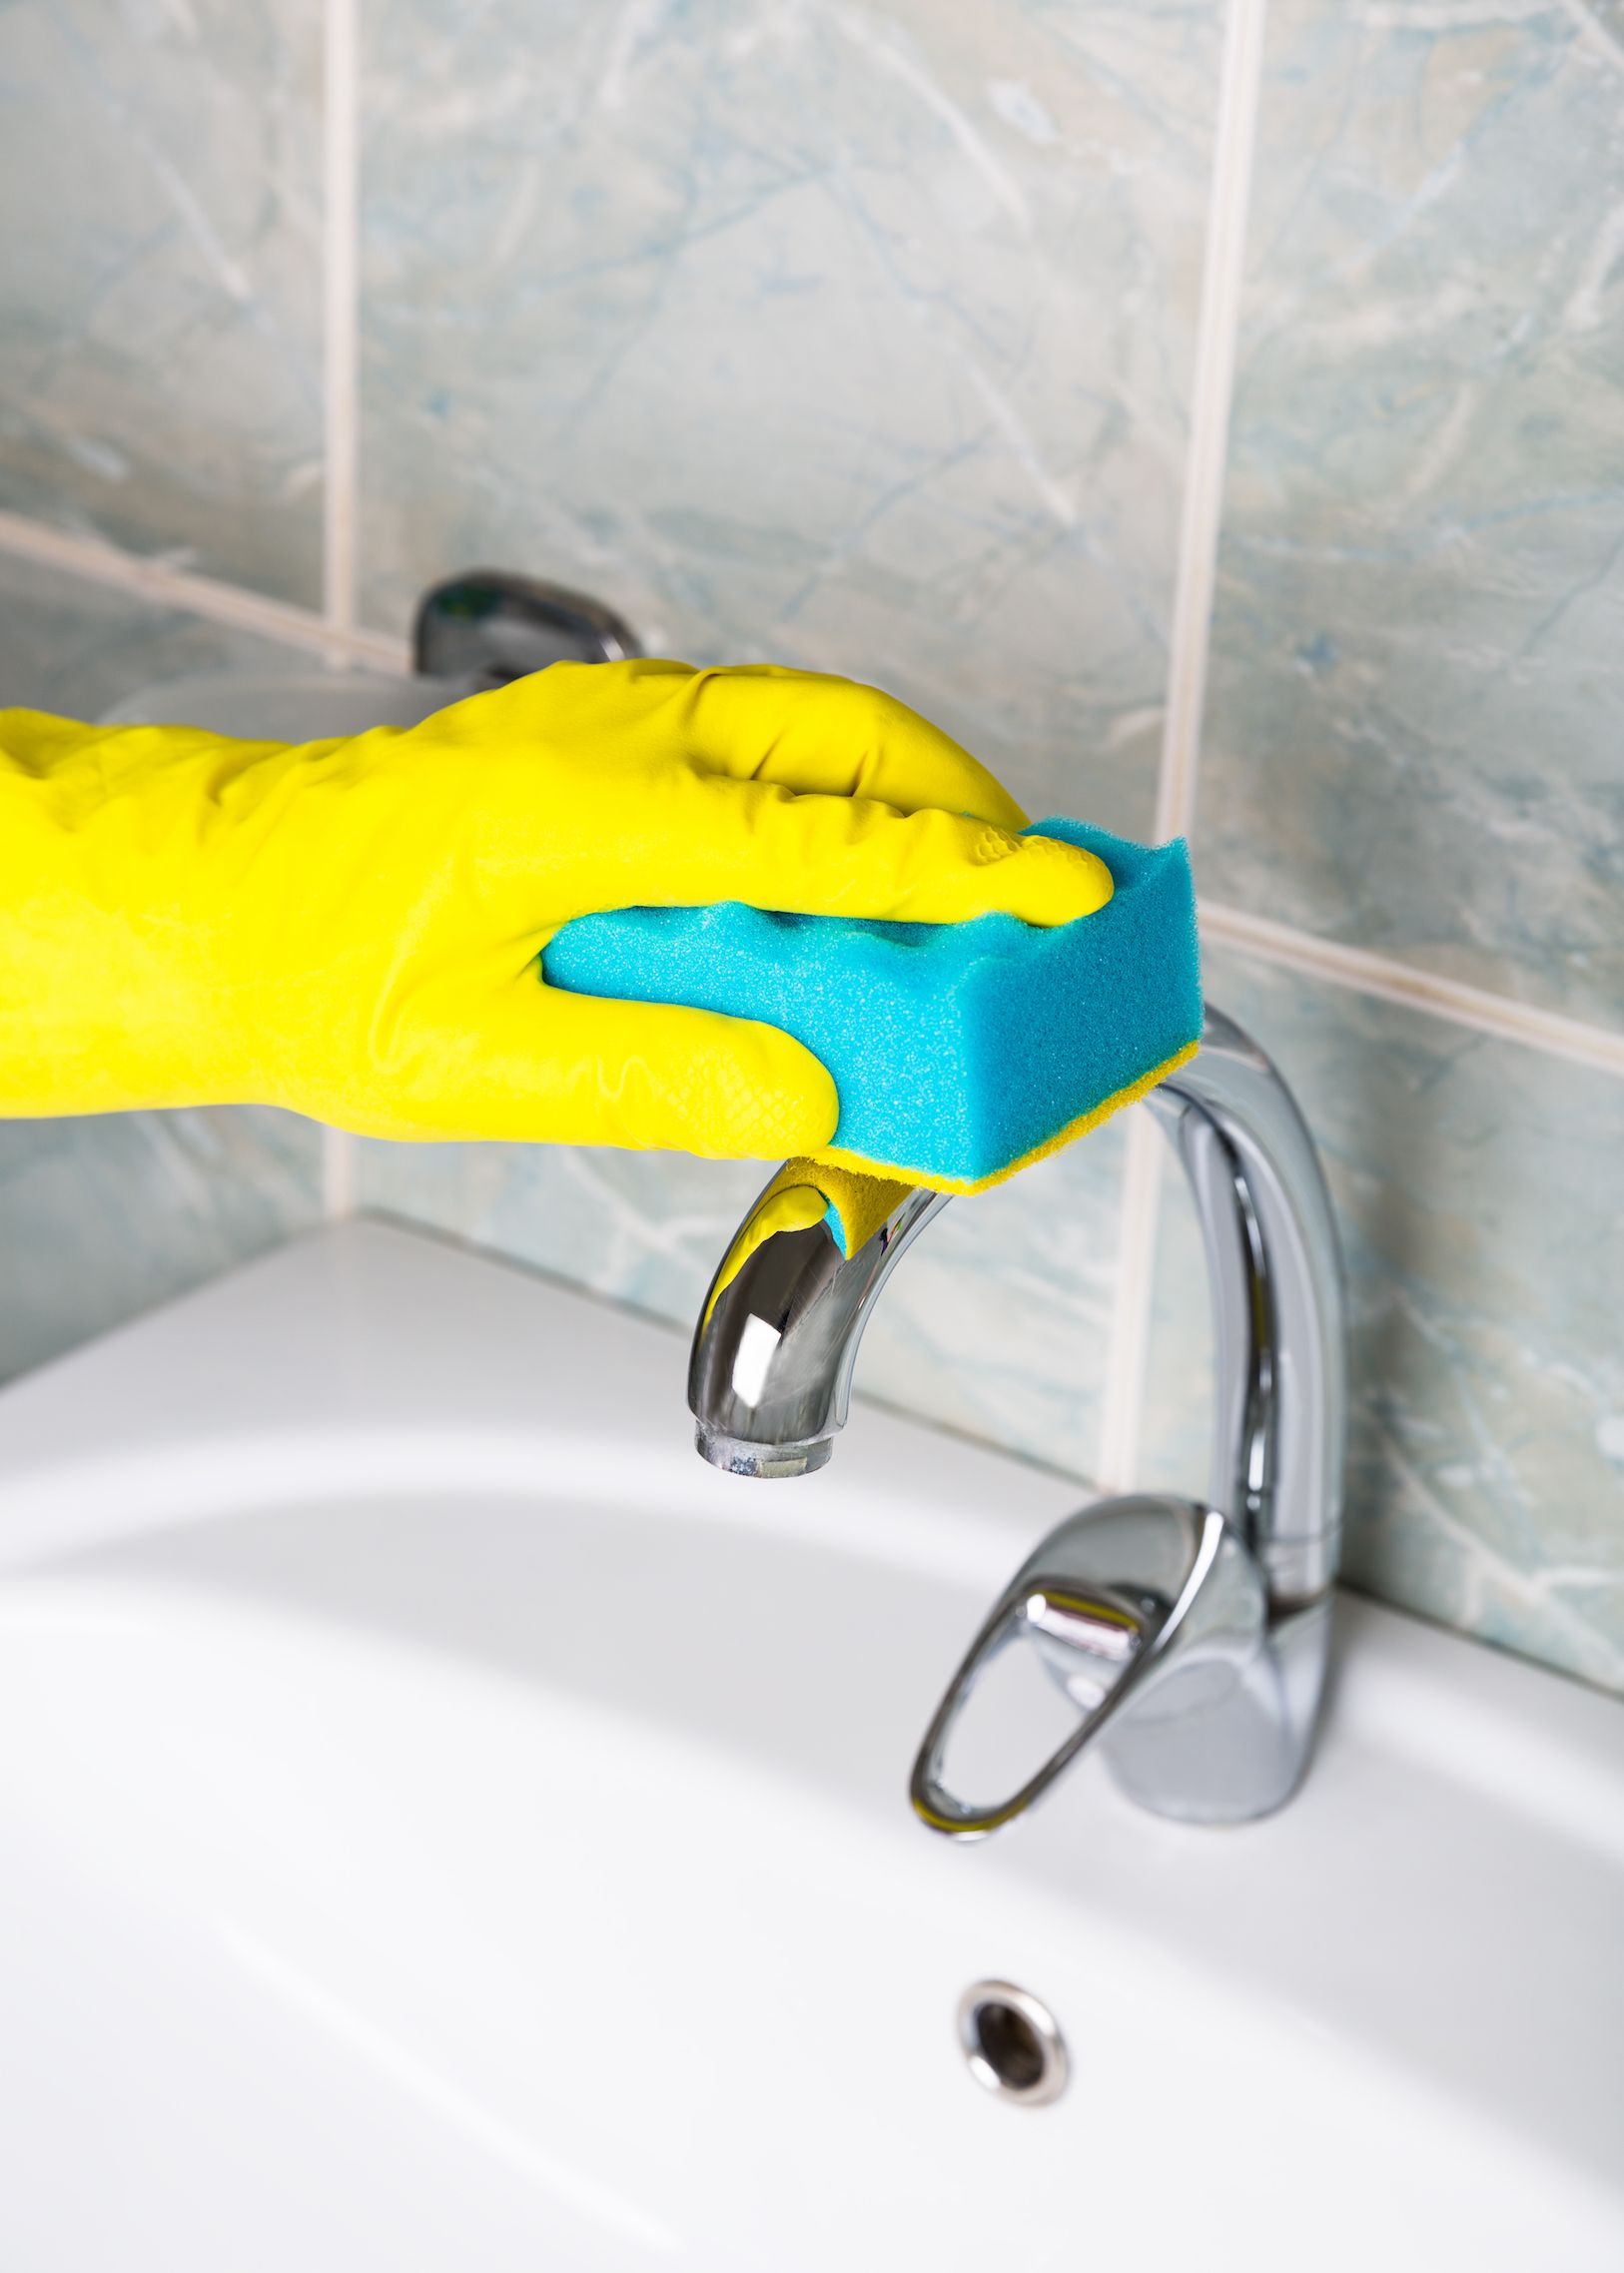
(898, 339)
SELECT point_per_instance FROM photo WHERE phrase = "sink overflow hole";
(1012, 2044)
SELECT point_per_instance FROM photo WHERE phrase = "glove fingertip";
(764, 1097)
(1055, 883)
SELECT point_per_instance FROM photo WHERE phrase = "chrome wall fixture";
(487, 626)
(1191, 1638)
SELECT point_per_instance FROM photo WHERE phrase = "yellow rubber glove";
(351, 928)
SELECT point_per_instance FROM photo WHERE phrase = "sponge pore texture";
(960, 1051)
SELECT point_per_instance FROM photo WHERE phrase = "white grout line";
(341, 162)
(1217, 333)
(1218, 325)
(379, 651)
(340, 323)
(1389, 981)
(339, 1154)
(164, 585)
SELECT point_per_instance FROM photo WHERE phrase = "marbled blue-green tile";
(647, 1228)
(103, 1216)
(852, 338)
(999, 1320)
(1480, 1191)
(159, 285)
(995, 1323)
(1414, 736)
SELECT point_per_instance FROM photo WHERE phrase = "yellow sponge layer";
(856, 1196)
(854, 1164)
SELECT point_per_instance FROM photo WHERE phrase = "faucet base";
(1153, 1615)
(741, 1459)
(1227, 1743)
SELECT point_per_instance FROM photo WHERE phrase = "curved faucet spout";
(770, 1377)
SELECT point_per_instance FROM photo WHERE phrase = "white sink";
(443, 1824)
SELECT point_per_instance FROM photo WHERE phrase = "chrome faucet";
(1190, 1638)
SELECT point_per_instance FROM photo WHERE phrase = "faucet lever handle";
(1107, 1600)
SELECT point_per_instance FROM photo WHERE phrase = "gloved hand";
(351, 928)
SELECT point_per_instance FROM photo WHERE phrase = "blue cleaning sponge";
(960, 1051)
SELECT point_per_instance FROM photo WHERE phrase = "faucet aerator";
(738, 1458)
